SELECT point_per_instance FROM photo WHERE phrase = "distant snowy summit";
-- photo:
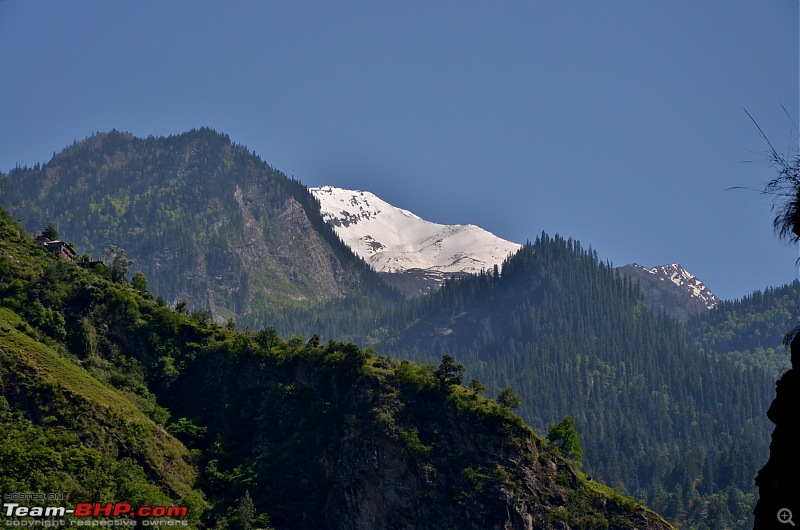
(393, 240)
(416, 256)
(672, 287)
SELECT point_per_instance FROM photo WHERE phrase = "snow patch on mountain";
(683, 280)
(391, 239)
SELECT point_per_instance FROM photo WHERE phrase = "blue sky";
(618, 123)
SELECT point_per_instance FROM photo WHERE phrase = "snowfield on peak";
(681, 278)
(391, 239)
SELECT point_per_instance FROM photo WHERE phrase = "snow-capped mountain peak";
(685, 279)
(672, 287)
(392, 239)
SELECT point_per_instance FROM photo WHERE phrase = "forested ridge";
(206, 220)
(108, 395)
(680, 429)
(750, 330)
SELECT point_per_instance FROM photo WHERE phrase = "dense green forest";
(682, 430)
(750, 330)
(107, 395)
(658, 416)
(678, 423)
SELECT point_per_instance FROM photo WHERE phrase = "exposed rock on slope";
(416, 282)
(204, 219)
(673, 288)
(346, 445)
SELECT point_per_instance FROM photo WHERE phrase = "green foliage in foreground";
(567, 438)
(51, 458)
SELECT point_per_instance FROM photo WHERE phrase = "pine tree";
(449, 373)
(246, 512)
(50, 232)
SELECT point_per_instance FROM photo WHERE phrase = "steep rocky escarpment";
(206, 220)
(348, 441)
(779, 480)
(470, 478)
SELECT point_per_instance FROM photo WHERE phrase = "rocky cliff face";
(672, 288)
(476, 481)
(413, 283)
(779, 480)
(205, 220)
(344, 445)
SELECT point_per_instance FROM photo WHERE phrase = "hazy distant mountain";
(206, 220)
(419, 254)
(672, 288)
